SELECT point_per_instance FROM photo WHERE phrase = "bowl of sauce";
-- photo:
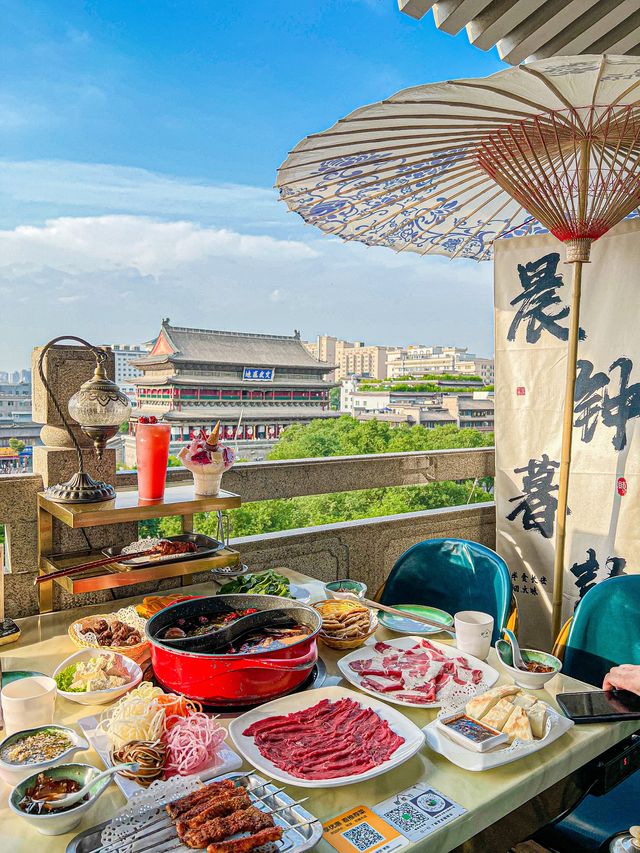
(540, 666)
(30, 799)
(24, 753)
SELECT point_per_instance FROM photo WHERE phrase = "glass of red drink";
(152, 455)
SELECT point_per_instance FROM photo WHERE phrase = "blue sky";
(140, 141)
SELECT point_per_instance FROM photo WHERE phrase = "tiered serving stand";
(126, 507)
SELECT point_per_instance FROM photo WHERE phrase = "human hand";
(625, 677)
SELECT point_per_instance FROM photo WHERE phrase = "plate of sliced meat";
(325, 738)
(173, 549)
(415, 672)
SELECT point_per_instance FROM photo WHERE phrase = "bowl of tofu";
(96, 676)
(541, 666)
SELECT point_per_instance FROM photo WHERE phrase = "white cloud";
(108, 251)
(151, 247)
(49, 188)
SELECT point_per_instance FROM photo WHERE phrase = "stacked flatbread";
(511, 711)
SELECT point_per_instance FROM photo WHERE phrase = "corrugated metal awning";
(524, 30)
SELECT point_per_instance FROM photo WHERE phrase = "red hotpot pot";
(233, 679)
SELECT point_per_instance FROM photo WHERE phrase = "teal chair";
(604, 632)
(452, 574)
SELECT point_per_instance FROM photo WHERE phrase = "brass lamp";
(99, 407)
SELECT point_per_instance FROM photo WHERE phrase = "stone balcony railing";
(364, 549)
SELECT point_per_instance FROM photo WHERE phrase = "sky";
(139, 146)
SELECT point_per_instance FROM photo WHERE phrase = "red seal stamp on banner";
(521, 391)
(621, 486)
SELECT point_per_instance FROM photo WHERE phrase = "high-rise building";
(352, 358)
(125, 369)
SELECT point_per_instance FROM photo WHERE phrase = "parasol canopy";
(449, 167)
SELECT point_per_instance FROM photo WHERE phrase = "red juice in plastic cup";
(152, 455)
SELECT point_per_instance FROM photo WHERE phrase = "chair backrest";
(605, 630)
(452, 574)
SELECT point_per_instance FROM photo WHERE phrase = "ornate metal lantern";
(99, 407)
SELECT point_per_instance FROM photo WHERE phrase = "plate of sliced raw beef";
(415, 672)
(325, 738)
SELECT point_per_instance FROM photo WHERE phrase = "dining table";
(491, 800)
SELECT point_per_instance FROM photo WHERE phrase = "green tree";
(345, 436)
(17, 445)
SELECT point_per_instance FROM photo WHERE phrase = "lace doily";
(145, 807)
(454, 696)
(128, 615)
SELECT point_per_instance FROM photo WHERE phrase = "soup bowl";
(59, 822)
(14, 772)
(528, 680)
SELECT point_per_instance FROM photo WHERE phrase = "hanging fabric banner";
(532, 307)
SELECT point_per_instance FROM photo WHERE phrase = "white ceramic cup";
(473, 632)
(28, 703)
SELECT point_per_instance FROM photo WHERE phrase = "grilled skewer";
(208, 817)
(250, 842)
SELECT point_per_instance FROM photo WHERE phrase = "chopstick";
(94, 564)
(375, 605)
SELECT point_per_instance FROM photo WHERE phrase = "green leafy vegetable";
(266, 583)
(64, 680)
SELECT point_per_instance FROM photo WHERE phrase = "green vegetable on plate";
(64, 679)
(265, 583)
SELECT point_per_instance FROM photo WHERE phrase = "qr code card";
(361, 831)
(418, 811)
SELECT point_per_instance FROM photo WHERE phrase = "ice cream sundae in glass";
(207, 459)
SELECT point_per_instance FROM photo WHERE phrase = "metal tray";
(206, 546)
(294, 840)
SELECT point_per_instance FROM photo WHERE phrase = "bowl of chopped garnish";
(92, 677)
(27, 752)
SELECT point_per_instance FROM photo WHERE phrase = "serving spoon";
(214, 641)
(63, 802)
(517, 657)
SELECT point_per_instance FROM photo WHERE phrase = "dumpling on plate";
(481, 705)
(499, 714)
(538, 719)
(518, 726)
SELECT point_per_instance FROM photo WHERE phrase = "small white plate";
(468, 759)
(401, 725)
(228, 760)
(489, 674)
(100, 697)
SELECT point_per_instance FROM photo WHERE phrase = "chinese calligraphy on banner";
(532, 307)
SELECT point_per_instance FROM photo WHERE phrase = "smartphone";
(600, 706)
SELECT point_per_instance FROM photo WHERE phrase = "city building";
(464, 408)
(350, 357)
(417, 361)
(15, 398)
(255, 385)
(125, 370)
